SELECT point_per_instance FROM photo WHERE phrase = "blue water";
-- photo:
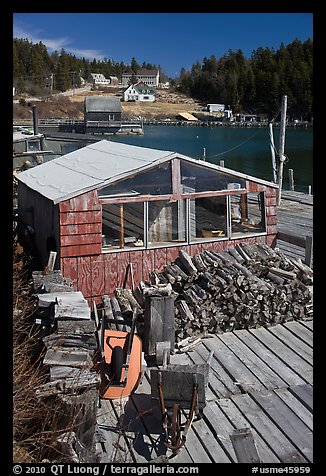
(245, 149)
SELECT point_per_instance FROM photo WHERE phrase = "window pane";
(247, 213)
(166, 222)
(207, 218)
(156, 181)
(122, 225)
(196, 178)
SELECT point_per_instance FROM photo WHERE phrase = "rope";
(233, 148)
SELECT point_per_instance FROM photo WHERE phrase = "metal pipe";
(35, 120)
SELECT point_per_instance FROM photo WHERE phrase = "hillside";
(167, 105)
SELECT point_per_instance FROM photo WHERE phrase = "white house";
(139, 92)
(99, 79)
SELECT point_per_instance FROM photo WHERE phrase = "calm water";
(243, 149)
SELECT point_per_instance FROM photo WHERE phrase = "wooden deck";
(259, 379)
(295, 217)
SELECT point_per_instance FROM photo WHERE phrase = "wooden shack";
(102, 113)
(110, 204)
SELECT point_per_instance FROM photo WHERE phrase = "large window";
(122, 225)
(166, 222)
(156, 181)
(201, 179)
(208, 218)
(247, 213)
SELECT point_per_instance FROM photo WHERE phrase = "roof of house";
(102, 104)
(87, 168)
(142, 72)
(99, 164)
(139, 86)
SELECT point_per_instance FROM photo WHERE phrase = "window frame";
(178, 195)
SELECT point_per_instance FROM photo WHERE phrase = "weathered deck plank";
(261, 370)
(287, 421)
(305, 394)
(239, 420)
(272, 360)
(269, 431)
(300, 366)
(303, 413)
(293, 342)
(299, 331)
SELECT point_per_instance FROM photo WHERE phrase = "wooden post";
(272, 146)
(281, 148)
(308, 251)
(122, 231)
(291, 180)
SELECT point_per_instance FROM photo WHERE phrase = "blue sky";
(171, 40)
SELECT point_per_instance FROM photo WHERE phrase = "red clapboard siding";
(196, 249)
(270, 192)
(148, 263)
(271, 240)
(81, 250)
(255, 187)
(69, 269)
(110, 273)
(160, 258)
(272, 229)
(271, 220)
(97, 270)
(86, 201)
(270, 211)
(206, 246)
(172, 254)
(84, 275)
(270, 201)
(81, 229)
(218, 246)
(137, 267)
(84, 239)
(122, 262)
(74, 218)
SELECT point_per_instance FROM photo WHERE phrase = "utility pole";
(73, 82)
(272, 147)
(281, 148)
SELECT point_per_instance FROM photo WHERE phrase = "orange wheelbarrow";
(120, 360)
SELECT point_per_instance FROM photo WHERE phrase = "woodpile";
(241, 288)
(68, 333)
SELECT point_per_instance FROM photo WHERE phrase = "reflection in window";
(122, 225)
(207, 218)
(166, 222)
(201, 179)
(247, 213)
(156, 181)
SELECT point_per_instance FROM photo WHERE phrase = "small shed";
(102, 112)
(110, 204)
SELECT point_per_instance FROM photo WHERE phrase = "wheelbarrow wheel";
(116, 364)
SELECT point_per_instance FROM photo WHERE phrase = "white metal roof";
(87, 168)
(99, 164)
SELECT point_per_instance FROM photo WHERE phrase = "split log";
(187, 262)
(117, 313)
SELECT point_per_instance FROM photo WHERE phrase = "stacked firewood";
(241, 288)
